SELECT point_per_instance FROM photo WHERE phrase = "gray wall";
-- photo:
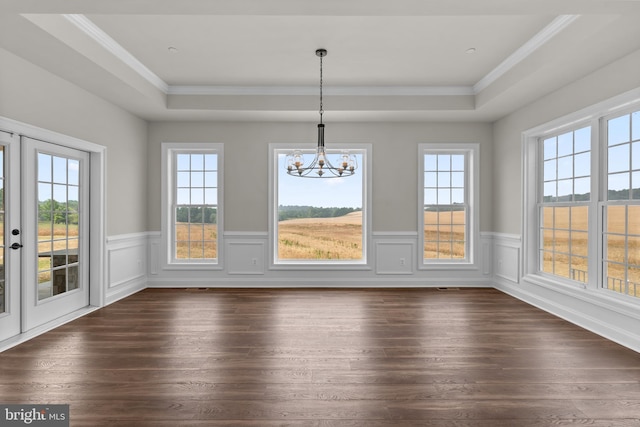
(395, 147)
(32, 95)
(607, 82)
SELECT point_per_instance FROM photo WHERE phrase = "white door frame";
(97, 206)
(10, 319)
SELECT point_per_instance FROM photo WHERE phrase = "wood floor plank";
(321, 358)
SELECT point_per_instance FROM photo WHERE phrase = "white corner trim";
(313, 90)
(105, 40)
(547, 33)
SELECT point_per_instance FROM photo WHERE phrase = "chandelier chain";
(321, 107)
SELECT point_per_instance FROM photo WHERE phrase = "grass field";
(337, 238)
(566, 232)
(196, 241)
(444, 235)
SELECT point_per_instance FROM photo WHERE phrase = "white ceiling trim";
(547, 33)
(102, 38)
(108, 43)
(327, 90)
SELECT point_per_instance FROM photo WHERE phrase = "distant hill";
(294, 212)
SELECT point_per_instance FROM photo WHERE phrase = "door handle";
(16, 246)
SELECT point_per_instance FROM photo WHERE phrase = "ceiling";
(405, 60)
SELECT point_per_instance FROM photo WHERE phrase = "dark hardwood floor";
(322, 357)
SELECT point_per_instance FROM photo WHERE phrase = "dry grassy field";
(337, 238)
(576, 220)
(446, 240)
(202, 244)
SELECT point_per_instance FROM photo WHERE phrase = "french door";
(46, 238)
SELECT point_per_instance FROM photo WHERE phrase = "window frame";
(595, 116)
(471, 151)
(364, 168)
(542, 204)
(168, 170)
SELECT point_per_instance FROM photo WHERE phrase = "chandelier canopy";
(320, 166)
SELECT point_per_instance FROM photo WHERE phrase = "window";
(621, 210)
(564, 203)
(582, 212)
(447, 218)
(193, 218)
(319, 220)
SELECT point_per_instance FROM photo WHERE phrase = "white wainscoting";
(506, 256)
(395, 254)
(126, 265)
(393, 258)
(245, 254)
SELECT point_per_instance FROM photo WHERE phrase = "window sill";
(600, 297)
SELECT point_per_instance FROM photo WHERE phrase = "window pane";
(580, 218)
(457, 179)
(616, 219)
(565, 167)
(430, 162)
(210, 179)
(582, 140)
(562, 217)
(550, 170)
(320, 219)
(550, 151)
(581, 188)
(565, 190)
(582, 164)
(457, 162)
(183, 179)
(183, 162)
(197, 162)
(444, 179)
(211, 162)
(635, 119)
(44, 168)
(618, 130)
(619, 186)
(457, 196)
(59, 170)
(618, 159)
(565, 144)
(430, 179)
(444, 196)
(550, 191)
(444, 162)
(430, 197)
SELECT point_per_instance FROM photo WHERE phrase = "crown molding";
(331, 91)
(108, 43)
(547, 33)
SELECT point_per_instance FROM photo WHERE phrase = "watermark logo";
(34, 415)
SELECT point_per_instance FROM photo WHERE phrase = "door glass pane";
(58, 225)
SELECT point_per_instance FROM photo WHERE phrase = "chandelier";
(320, 166)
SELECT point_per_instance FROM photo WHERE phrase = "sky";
(345, 192)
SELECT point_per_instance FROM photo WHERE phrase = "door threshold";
(39, 330)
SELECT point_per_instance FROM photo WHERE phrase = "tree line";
(60, 213)
(197, 214)
(293, 212)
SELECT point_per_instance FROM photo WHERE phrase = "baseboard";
(576, 313)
